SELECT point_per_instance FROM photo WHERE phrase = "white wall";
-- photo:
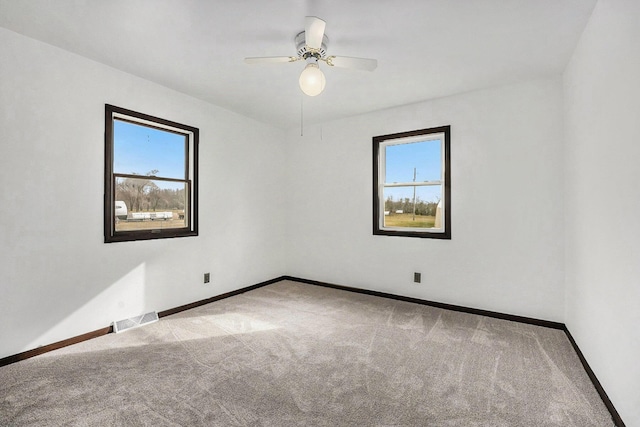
(57, 277)
(506, 253)
(602, 110)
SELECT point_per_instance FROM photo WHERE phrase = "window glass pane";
(425, 157)
(399, 206)
(148, 204)
(142, 150)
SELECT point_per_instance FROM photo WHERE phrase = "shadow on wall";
(66, 297)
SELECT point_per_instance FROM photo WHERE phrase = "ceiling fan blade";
(314, 31)
(270, 59)
(365, 64)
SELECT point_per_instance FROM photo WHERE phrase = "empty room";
(282, 213)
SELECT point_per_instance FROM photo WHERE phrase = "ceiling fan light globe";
(312, 80)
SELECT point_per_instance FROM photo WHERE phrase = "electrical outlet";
(207, 277)
(417, 277)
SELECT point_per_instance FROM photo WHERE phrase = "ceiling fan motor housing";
(305, 51)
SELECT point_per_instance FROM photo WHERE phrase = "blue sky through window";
(401, 159)
(140, 149)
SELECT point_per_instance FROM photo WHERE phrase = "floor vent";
(134, 322)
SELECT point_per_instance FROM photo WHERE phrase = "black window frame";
(191, 176)
(378, 204)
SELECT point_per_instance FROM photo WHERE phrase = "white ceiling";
(425, 48)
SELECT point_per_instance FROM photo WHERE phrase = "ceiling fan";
(311, 45)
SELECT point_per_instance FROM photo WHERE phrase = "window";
(412, 184)
(151, 177)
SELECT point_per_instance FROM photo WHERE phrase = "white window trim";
(382, 174)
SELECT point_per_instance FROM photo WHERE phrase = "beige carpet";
(292, 354)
